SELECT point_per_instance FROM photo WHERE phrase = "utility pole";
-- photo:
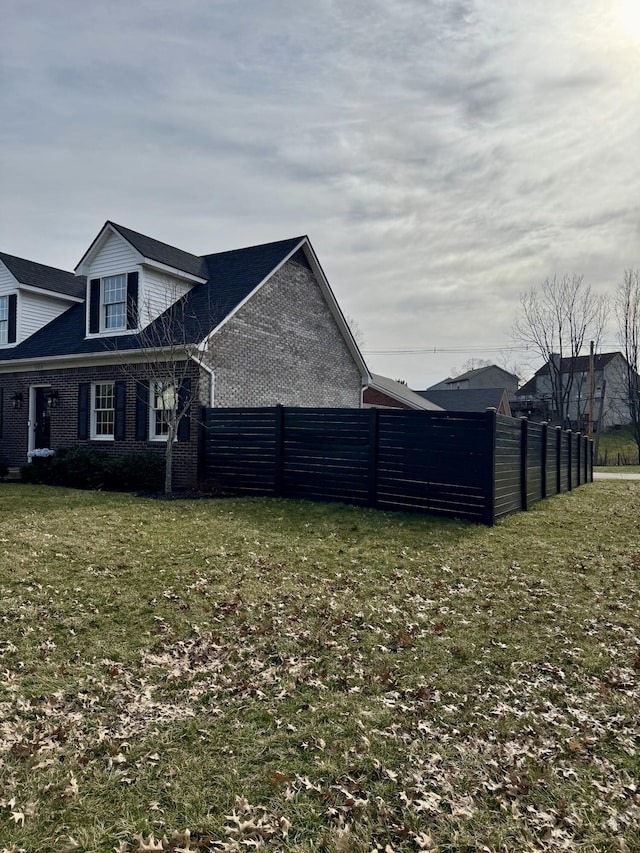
(592, 388)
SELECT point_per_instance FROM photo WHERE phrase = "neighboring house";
(491, 376)
(611, 405)
(260, 327)
(385, 393)
(475, 400)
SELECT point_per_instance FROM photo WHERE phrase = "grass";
(225, 675)
(617, 447)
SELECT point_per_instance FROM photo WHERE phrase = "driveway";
(611, 476)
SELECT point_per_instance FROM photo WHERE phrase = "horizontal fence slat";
(460, 464)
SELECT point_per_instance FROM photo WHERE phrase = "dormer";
(31, 296)
(132, 279)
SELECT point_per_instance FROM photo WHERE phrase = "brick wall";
(284, 347)
(14, 442)
(372, 397)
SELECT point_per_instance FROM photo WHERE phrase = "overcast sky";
(442, 155)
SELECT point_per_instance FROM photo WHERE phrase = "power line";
(436, 350)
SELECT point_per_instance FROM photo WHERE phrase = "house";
(385, 393)
(469, 400)
(251, 327)
(490, 376)
(568, 379)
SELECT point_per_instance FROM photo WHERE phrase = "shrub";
(39, 469)
(84, 467)
(135, 472)
(4, 468)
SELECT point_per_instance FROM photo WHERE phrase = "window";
(103, 413)
(4, 320)
(114, 302)
(164, 402)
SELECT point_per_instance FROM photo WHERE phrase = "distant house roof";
(231, 278)
(477, 371)
(567, 365)
(471, 400)
(44, 277)
(400, 392)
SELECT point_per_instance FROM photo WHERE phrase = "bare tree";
(556, 320)
(470, 364)
(162, 366)
(356, 330)
(627, 307)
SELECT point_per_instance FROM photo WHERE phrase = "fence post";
(543, 472)
(591, 452)
(569, 459)
(524, 447)
(490, 496)
(373, 458)
(579, 459)
(558, 460)
(202, 442)
(278, 478)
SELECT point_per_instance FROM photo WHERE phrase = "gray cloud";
(442, 156)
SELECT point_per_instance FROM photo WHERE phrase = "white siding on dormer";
(158, 291)
(8, 284)
(116, 256)
(35, 311)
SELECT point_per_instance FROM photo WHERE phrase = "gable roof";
(567, 365)
(43, 277)
(477, 371)
(154, 250)
(468, 400)
(581, 363)
(231, 278)
(401, 392)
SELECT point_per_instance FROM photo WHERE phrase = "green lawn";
(242, 674)
(617, 447)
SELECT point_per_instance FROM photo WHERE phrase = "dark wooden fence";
(475, 466)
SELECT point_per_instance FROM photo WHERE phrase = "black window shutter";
(94, 306)
(142, 411)
(13, 307)
(132, 300)
(83, 411)
(184, 399)
(120, 394)
(1, 410)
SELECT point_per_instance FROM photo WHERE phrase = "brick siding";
(14, 443)
(372, 397)
(283, 346)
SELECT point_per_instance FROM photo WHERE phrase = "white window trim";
(6, 322)
(93, 435)
(153, 436)
(104, 330)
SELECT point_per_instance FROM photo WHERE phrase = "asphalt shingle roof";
(567, 365)
(162, 252)
(477, 371)
(232, 276)
(465, 400)
(402, 392)
(44, 277)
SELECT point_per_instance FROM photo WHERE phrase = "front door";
(42, 418)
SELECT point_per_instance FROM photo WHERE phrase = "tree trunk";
(168, 458)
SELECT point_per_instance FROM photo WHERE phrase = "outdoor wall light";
(17, 400)
(53, 399)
